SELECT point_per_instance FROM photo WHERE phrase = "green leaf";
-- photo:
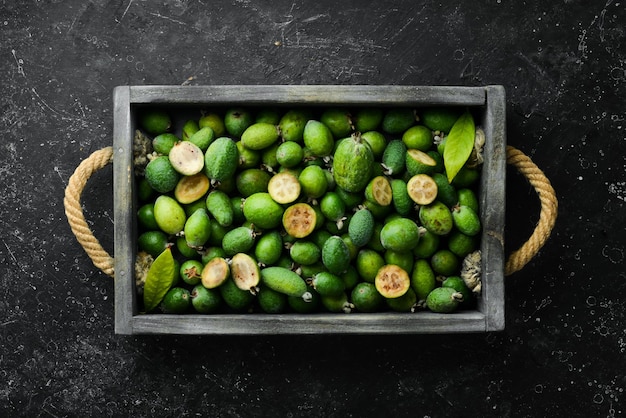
(459, 144)
(160, 278)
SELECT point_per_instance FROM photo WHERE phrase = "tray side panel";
(492, 205)
(125, 303)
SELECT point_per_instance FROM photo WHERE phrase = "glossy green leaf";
(160, 278)
(459, 144)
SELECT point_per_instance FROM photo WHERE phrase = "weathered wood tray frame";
(488, 102)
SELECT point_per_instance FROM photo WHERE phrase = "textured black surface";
(563, 66)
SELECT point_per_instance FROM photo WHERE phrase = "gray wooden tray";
(488, 102)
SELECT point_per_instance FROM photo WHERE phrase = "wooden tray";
(488, 102)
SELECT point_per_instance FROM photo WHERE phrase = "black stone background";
(563, 65)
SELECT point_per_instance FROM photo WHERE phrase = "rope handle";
(516, 261)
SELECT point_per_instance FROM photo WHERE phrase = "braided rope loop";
(547, 217)
(74, 212)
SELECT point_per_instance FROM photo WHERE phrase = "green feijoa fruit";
(466, 220)
(291, 125)
(245, 272)
(269, 248)
(271, 301)
(394, 158)
(191, 271)
(190, 127)
(361, 227)
(299, 220)
(368, 262)
(144, 190)
(268, 115)
(169, 215)
(418, 137)
(205, 300)
(259, 136)
(284, 187)
(235, 298)
(319, 237)
(398, 120)
(366, 298)
(374, 243)
(401, 234)
(145, 216)
(439, 118)
(202, 138)
(350, 278)
(268, 158)
(338, 120)
(461, 244)
(217, 234)
(305, 252)
(444, 262)
(184, 249)
(392, 281)
(376, 141)
(402, 259)
(446, 192)
(215, 273)
(221, 159)
(337, 304)
(352, 164)
(401, 199)
(404, 303)
(210, 253)
(153, 242)
(289, 154)
(177, 300)
(419, 162)
(378, 191)
(219, 206)
(436, 217)
(335, 255)
(457, 283)
(443, 300)
(378, 211)
(155, 121)
(161, 175)
(261, 210)
(237, 120)
(190, 189)
(237, 204)
(285, 281)
(309, 270)
(197, 230)
(214, 121)
(351, 200)
(427, 245)
(238, 240)
(318, 138)
(313, 181)
(251, 181)
(423, 278)
(438, 159)
(301, 306)
(466, 177)
(327, 284)
(162, 144)
(368, 118)
(468, 198)
(354, 250)
(248, 158)
(332, 206)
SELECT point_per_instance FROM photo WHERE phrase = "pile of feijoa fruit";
(302, 210)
